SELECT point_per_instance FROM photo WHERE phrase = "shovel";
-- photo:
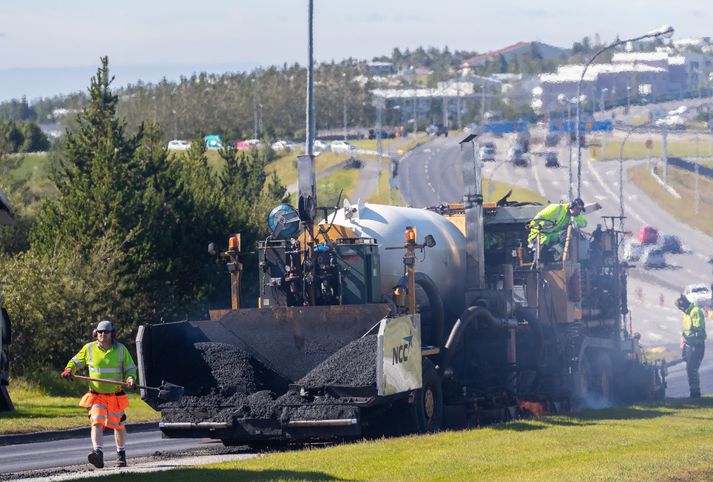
(167, 391)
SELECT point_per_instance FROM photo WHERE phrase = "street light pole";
(344, 103)
(310, 82)
(666, 30)
(564, 100)
(621, 179)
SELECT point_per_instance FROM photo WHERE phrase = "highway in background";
(432, 175)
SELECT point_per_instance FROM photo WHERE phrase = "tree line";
(126, 236)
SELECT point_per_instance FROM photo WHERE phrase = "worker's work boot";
(96, 458)
(121, 458)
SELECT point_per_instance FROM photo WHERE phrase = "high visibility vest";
(694, 325)
(115, 363)
(559, 217)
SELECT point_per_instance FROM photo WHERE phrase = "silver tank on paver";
(444, 263)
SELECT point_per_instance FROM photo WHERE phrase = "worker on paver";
(549, 226)
(108, 359)
(693, 340)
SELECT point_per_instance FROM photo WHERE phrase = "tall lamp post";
(666, 31)
(564, 100)
(310, 83)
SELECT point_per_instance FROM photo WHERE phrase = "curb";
(26, 438)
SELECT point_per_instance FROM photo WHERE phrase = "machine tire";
(427, 409)
(594, 381)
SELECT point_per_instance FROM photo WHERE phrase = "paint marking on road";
(614, 196)
(555, 183)
(539, 184)
(586, 182)
(599, 197)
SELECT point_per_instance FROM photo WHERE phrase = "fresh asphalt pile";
(354, 366)
(229, 383)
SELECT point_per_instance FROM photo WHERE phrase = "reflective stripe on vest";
(107, 373)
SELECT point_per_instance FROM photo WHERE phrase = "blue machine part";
(286, 216)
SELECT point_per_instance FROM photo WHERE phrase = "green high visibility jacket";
(114, 364)
(694, 325)
(559, 218)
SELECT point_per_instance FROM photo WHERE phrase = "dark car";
(670, 243)
(552, 139)
(437, 130)
(372, 134)
(551, 159)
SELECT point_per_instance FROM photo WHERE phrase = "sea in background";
(34, 83)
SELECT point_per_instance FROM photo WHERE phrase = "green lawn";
(499, 189)
(684, 183)
(637, 149)
(672, 441)
(53, 404)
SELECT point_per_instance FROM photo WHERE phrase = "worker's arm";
(79, 360)
(549, 213)
(580, 220)
(129, 368)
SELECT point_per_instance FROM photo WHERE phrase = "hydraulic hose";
(472, 314)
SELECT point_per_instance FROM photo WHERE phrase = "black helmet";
(683, 302)
(577, 202)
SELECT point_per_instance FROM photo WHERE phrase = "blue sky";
(181, 36)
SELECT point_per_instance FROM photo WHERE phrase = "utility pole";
(310, 82)
(380, 104)
(344, 103)
(664, 155)
(698, 191)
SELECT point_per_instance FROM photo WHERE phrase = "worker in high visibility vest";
(549, 226)
(693, 342)
(105, 358)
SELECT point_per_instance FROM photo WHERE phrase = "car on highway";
(487, 151)
(648, 234)
(517, 157)
(342, 147)
(283, 146)
(700, 295)
(633, 251)
(552, 139)
(178, 145)
(551, 159)
(670, 243)
(653, 257)
(321, 146)
(213, 142)
(437, 130)
(248, 144)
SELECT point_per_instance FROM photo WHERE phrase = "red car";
(648, 234)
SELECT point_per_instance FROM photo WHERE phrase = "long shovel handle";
(113, 382)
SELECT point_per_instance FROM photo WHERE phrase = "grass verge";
(637, 150)
(494, 190)
(45, 403)
(684, 183)
(672, 441)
